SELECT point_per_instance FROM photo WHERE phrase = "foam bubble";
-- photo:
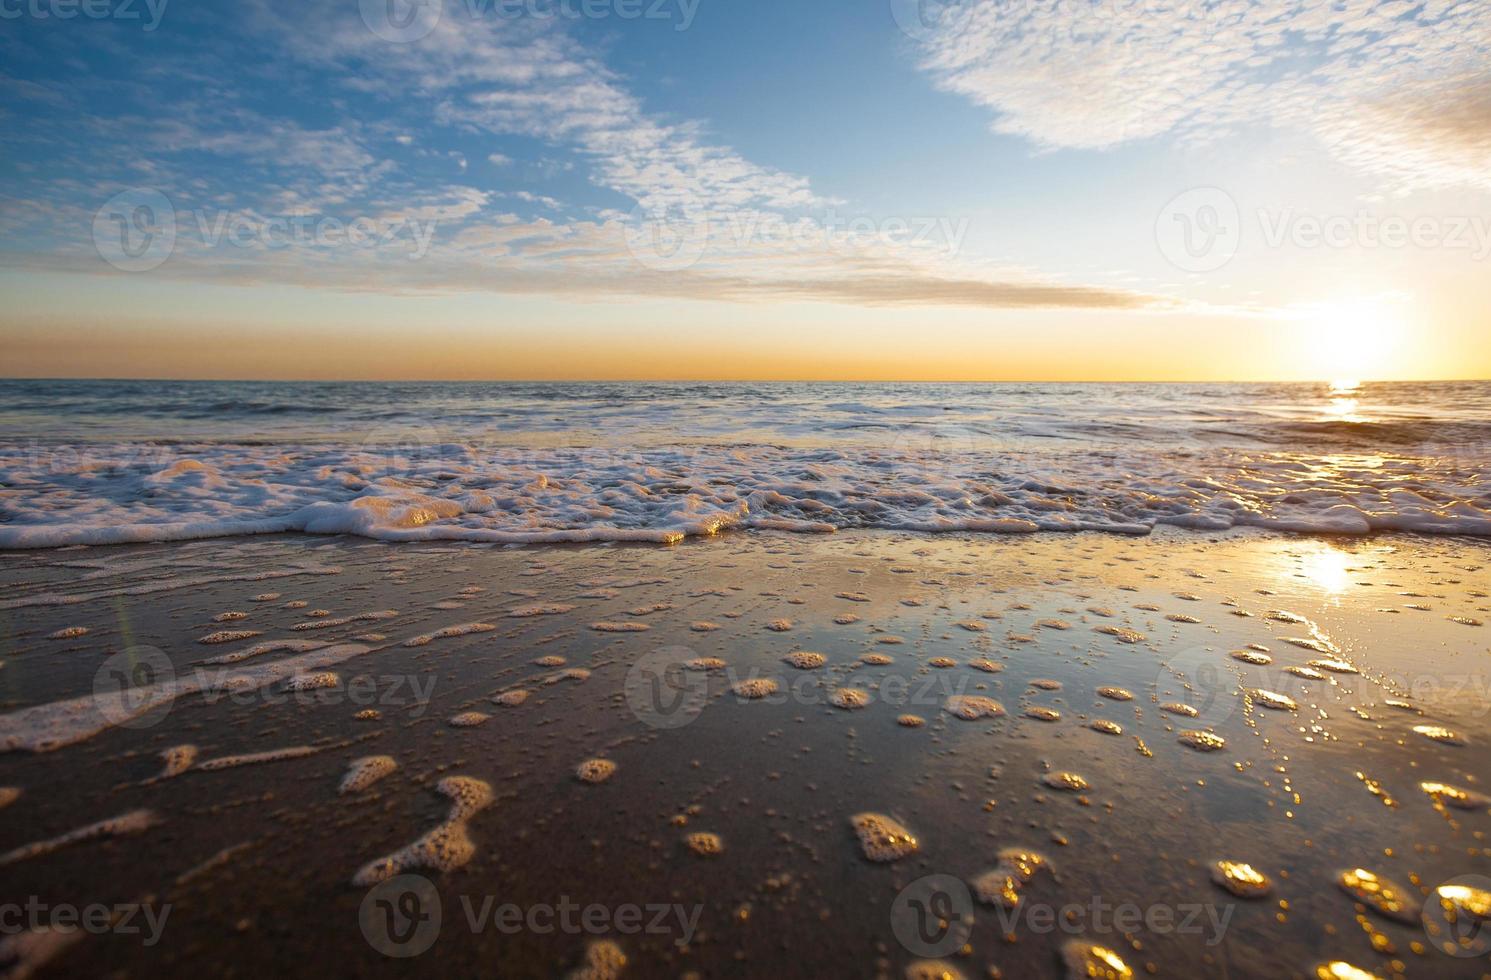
(1014, 869)
(1116, 693)
(932, 970)
(972, 707)
(1066, 781)
(1041, 713)
(607, 627)
(1438, 733)
(1202, 741)
(256, 758)
(910, 721)
(312, 682)
(1241, 879)
(849, 698)
(1273, 700)
(322, 624)
(1341, 970)
(1455, 796)
(704, 844)
(1177, 708)
(133, 822)
(463, 629)
(1122, 634)
(468, 719)
(68, 633)
(447, 846)
(177, 760)
(511, 698)
(1106, 727)
(364, 772)
(595, 770)
(1089, 961)
(755, 687)
(228, 636)
(540, 609)
(1382, 895)
(604, 960)
(881, 838)
(805, 659)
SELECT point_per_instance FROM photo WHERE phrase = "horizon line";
(746, 381)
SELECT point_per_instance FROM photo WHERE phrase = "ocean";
(100, 462)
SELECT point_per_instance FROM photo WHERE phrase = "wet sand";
(735, 798)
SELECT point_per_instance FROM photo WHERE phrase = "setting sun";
(1347, 342)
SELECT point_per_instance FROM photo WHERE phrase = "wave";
(449, 491)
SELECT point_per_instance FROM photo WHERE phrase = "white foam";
(516, 496)
(44, 727)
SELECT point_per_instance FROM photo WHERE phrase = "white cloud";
(1392, 87)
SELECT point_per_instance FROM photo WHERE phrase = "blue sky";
(967, 177)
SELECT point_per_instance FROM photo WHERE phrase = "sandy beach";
(1097, 720)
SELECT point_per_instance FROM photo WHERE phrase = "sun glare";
(1349, 341)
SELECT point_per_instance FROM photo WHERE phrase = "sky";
(746, 189)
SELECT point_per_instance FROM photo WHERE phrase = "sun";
(1351, 341)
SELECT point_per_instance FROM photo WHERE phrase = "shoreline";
(255, 851)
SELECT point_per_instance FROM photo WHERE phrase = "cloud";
(1392, 87)
(232, 161)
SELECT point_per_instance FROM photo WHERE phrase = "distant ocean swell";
(130, 492)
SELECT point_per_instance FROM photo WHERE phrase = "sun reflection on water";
(1344, 402)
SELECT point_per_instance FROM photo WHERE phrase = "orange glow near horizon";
(217, 332)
